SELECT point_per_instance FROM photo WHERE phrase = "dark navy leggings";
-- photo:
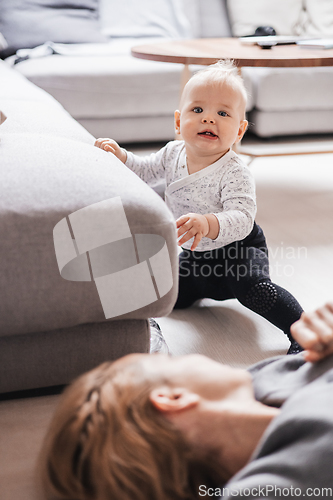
(239, 270)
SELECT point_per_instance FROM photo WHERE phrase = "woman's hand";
(111, 146)
(314, 332)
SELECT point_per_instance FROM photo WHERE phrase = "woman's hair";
(108, 442)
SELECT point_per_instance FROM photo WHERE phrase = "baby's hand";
(314, 332)
(193, 225)
(113, 147)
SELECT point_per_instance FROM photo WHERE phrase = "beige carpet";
(295, 200)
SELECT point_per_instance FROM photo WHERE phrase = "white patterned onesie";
(225, 188)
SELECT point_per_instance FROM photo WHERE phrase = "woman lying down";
(149, 427)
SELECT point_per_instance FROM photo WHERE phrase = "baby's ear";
(242, 129)
(177, 121)
(3, 117)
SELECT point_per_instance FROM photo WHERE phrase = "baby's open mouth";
(208, 133)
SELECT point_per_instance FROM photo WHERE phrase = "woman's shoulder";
(296, 450)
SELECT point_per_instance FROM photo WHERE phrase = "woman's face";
(207, 402)
(194, 372)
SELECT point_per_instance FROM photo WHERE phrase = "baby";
(211, 193)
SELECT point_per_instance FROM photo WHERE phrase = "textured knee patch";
(261, 297)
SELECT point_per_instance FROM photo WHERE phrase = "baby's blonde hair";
(108, 442)
(224, 70)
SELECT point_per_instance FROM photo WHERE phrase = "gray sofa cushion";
(125, 86)
(28, 23)
(45, 179)
(44, 359)
(291, 89)
(282, 123)
(283, 15)
(147, 18)
(49, 169)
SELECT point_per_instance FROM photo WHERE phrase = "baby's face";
(211, 118)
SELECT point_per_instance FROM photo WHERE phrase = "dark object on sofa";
(264, 31)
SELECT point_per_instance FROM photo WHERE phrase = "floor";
(295, 208)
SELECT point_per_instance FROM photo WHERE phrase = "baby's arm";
(150, 168)
(238, 202)
(197, 226)
(314, 332)
(234, 221)
(113, 147)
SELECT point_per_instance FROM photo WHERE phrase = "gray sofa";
(113, 94)
(51, 328)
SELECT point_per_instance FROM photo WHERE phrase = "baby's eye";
(222, 113)
(197, 109)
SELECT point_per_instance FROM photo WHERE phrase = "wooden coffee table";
(209, 50)
(205, 51)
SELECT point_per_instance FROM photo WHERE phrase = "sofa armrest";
(44, 179)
